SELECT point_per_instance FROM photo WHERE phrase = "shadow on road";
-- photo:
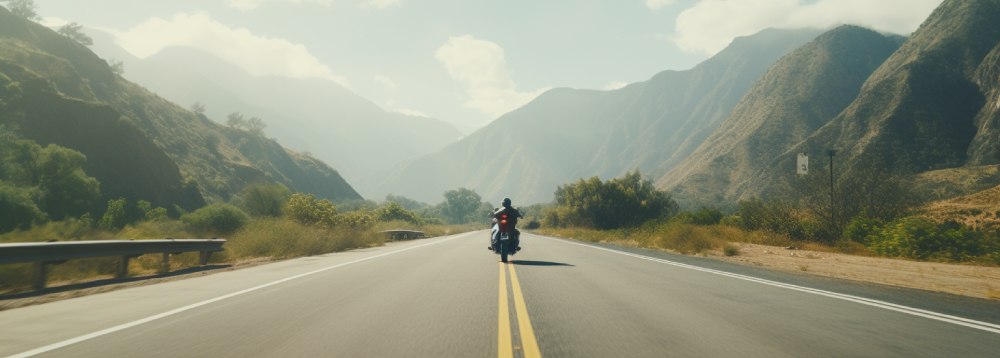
(538, 263)
(110, 282)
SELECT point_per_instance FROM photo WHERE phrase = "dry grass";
(678, 237)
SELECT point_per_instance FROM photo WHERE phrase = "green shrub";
(703, 216)
(264, 199)
(628, 201)
(18, 209)
(393, 211)
(862, 228)
(114, 217)
(919, 238)
(731, 250)
(307, 210)
(216, 218)
(355, 220)
(149, 213)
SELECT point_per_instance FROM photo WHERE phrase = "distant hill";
(315, 115)
(566, 134)
(931, 105)
(138, 145)
(802, 92)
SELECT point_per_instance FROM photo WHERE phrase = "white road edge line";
(984, 326)
(128, 325)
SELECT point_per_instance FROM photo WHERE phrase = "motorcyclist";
(512, 216)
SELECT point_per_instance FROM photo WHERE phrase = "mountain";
(315, 115)
(566, 134)
(802, 92)
(138, 145)
(931, 105)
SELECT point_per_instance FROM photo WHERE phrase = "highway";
(450, 297)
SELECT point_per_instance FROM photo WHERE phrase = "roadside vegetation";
(876, 219)
(263, 222)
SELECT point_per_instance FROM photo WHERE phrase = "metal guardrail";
(404, 234)
(43, 254)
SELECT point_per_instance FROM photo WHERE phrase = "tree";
(74, 32)
(256, 126)
(460, 205)
(307, 210)
(117, 67)
(236, 120)
(622, 202)
(263, 199)
(18, 209)
(198, 108)
(114, 216)
(395, 212)
(68, 190)
(407, 203)
(23, 8)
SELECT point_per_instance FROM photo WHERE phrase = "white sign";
(803, 165)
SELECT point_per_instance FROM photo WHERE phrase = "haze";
(465, 62)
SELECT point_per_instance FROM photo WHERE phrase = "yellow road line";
(504, 345)
(523, 321)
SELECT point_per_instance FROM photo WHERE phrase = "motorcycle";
(503, 236)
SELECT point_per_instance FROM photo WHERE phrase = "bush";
(623, 202)
(395, 212)
(216, 218)
(307, 210)
(18, 209)
(919, 238)
(355, 220)
(149, 213)
(114, 217)
(731, 250)
(263, 200)
(703, 216)
(862, 228)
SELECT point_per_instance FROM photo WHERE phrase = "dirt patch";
(966, 280)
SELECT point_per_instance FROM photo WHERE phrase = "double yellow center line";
(528, 346)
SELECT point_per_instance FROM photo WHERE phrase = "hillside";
(138, 145)
(925, 108)
(318, 116)
(979, 210)
(566, 134)
(799, 94)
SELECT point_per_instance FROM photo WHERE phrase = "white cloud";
(710, 25)
(479, 65)
(379, 4)
(658, 4)
(386, 82)
(258, 55)
(411, 112)
(53, 22)
(247, 5)
(615, 85)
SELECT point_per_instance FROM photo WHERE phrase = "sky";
(466, 62)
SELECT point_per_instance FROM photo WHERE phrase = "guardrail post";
(123, 267)
(38, 282)
(166, 263)
(203, 258)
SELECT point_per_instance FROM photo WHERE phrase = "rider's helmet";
(506, 202)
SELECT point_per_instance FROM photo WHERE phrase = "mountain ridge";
(596, 133)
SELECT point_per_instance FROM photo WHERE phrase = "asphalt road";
(449, 297)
